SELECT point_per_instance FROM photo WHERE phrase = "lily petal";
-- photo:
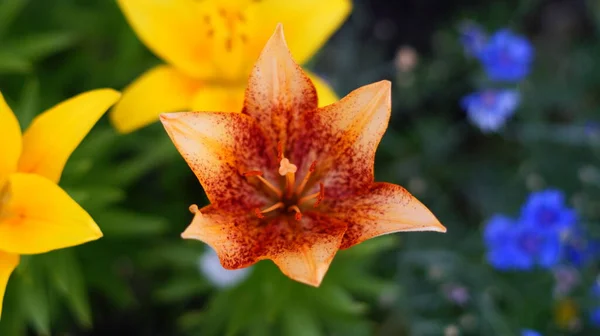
(278, 90)
(54, 134)
(173, 31)
(308, 23)
(303, 250)
(219, 98)
(219, 147)
(8, 263)
(160, 89)
(10, 137)
(39, 217)
(342, 139)
(325, 92)
(383, 208)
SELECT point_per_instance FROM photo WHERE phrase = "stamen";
(298, 215)
(320, 195)
(258, 175)
(305, 180)
(193, 209)
(259, 213)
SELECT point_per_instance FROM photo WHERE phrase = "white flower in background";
(211, 268)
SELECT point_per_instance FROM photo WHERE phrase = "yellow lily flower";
(211, 46)
(36, 215)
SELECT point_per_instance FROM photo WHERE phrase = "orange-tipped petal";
(219, 147)
(160, 89)
(54, 134)
(8, 263)
(278, 90)
(39, 216)
(383, 208)
(342, 138)
(302, 249)
(10, 137)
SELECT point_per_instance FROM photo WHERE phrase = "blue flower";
(507, 56)
(595, 317)
(515, 246)
(546, 210)
(473, 38)
(490, 109)
(579, 248)
(529, 332)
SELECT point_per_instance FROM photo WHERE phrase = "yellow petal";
(303, 250)
(219, 147)
(176, 31)
(308, 23)
(54, 134)
(325, 92)
(383, 208)
(8, 263)
(219, 98)
(161, 89)
(39, 217)
(10, 137)
(278, 91)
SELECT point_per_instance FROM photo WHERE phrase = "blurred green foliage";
(142, 279)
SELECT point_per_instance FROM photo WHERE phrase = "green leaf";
(39, 46)
(35, 300)
(127, 223)
(299, 321)
(9, 10)
(65, 273)
(14, 64)
(180, 289)
(29, 102)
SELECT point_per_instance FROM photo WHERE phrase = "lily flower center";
(290, 198)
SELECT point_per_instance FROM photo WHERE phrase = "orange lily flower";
(36, 215)
(210, 46)
(287, 180)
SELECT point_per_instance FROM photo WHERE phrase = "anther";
(258, 213)
(321, 195)
(298, 215)
(253, 173)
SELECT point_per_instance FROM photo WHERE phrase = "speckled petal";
(278, 91)
(219, 147)
(384, 208)
(342, 139)
(303, 250)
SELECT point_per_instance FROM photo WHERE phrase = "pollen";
(285, 167)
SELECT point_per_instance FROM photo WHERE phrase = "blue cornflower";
(529, 332)
(546, 210)
(514, 246)
(490, 109)
(579, 249)
(595, 317)
(507, 56)
(473, 38)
